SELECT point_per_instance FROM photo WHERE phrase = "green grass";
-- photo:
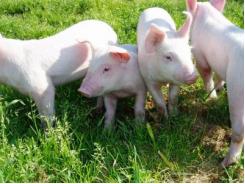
(185, 148)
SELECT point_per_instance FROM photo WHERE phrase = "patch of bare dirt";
(205, 174)
(216, 137)
(210, 172)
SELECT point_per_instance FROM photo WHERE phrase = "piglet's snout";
(84, 91)
(191, 78)
(85, 88)
(90, 88)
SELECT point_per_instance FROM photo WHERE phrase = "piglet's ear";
(218, 4)
(120, 55)
(191, 6)
(184, 31)
(154, 37)
(86, 50)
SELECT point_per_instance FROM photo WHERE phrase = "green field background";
(187, 147)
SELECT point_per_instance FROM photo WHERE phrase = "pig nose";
(190, 79)
(84, 92)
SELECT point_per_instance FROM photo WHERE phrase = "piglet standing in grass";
(218, 45)
(164, 55)
(35, 67)
(114, 73)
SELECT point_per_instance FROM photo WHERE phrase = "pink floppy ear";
(185, 29)
(86, 50)
(218, 4)
(120, 55)
(154, 37)
(191, 6)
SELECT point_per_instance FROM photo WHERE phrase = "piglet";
(218, 46)
(113, 74)
(164, 55)
(35, 67)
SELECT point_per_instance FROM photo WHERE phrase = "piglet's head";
(171, 57)
(155, 36)
(192, 5)
(105, 71)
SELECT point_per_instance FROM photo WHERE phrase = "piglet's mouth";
(89, 91)
(85, 92)
(191, 80)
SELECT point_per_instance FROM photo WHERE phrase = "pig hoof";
(212, 96)
(173, 111)
(228, 161)
(219, 90)
(140, 117)
(163, 113)
(43, 125)
(99, 110)
(139, 120)
(47, 125)
(162, 117)
(108, 127)
(166, 116)
(47, 122)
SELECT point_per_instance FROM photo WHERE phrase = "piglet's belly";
(122, 93)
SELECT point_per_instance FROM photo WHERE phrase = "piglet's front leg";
(110, 106)
(43, 93)
(99, 104)
(155, 90)
(173, 98)
(139, 106)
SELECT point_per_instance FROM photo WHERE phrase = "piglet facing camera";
(113, 74)
(164, 55)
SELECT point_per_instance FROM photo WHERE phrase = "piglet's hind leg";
(235, 92)
(206, 73)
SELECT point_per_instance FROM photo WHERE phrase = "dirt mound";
(216, 137)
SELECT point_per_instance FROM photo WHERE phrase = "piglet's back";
(151, 16)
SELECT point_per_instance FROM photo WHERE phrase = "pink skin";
(35, 67)
(115, 74)
(164, 55)
(224, 55)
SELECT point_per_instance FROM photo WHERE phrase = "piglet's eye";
(169, 58)
(106, 69)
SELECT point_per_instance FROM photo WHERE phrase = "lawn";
(187, 147)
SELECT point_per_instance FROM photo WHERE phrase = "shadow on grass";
(186, 147)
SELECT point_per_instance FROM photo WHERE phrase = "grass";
(185, 148)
